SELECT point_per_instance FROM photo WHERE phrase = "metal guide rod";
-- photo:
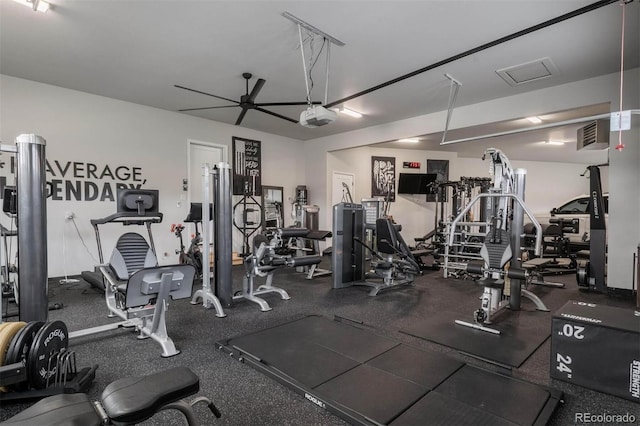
(498, 195)
(206, 232)
(32, 227)
(517, 225)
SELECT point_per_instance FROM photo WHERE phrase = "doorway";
(343, 187)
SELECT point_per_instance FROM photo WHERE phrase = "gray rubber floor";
(246, 397)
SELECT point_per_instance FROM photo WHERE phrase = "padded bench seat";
(135, 399)
(129, 400)
(66, 409)
(318, 235)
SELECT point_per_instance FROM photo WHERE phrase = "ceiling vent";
(528, 72)
(594, 135)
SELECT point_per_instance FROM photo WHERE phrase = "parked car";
(578, 208)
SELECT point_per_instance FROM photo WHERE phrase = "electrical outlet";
(69, 215)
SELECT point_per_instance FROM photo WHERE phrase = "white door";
(343, 184)
(199, 154)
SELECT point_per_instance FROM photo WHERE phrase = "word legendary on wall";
(82, 181)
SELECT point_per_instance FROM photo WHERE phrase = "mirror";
(273, 214)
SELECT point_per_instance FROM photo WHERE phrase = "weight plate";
(19, 348)
(7, 334)
(50, 340)
(3, 325)
(582, 275)
(9, 355)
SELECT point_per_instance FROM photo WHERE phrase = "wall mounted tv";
(415, 183)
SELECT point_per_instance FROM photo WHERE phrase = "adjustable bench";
(130, 401)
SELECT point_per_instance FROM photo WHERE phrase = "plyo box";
(598, 347)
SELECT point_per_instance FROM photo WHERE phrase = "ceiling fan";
(247, 101)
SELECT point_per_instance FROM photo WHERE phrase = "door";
(343, 186)
(199, 154)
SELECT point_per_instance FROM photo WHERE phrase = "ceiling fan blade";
(200, 109)
(205, 93)
(241, 116)
(256, 89)
(287, 103)
(275, 114)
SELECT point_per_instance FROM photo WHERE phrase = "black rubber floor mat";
(396, 384)
(300, 359)
(437, 409)
(427, 369)
(522, 334)
(375, 394)
(508, 398)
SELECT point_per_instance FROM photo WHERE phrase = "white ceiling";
(138, 50)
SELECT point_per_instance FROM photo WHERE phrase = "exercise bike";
(192, 255)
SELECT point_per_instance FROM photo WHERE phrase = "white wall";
(84, 128)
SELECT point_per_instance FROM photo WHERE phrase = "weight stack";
(596, 346)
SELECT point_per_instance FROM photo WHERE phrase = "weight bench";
(126, 401)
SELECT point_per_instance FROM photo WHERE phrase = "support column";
(223, 234)
(32, 227)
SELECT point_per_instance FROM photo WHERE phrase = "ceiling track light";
(35, 5)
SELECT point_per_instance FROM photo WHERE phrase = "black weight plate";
(49, 341)
(19, 348)
(8, 358)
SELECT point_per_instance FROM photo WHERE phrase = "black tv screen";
(415, 183)
(140, 201)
